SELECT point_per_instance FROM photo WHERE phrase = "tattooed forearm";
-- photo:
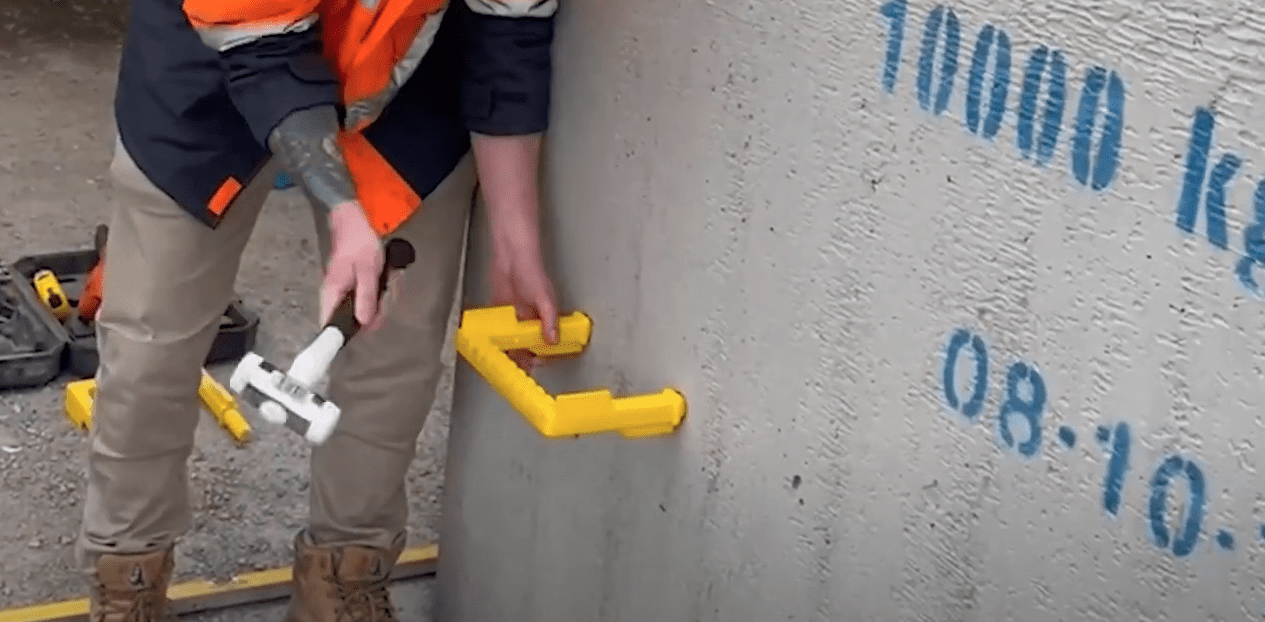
(306, 141)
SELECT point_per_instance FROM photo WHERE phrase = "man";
(384, 112)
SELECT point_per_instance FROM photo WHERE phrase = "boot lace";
(130, 605)
(362, 601)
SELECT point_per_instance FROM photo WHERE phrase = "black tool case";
(237, 327)
(32, 342)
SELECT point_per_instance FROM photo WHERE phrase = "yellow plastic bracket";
(79, 395)
(486, 334)
(212, 395)
(221, 404)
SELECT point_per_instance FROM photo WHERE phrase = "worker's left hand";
(518, 278)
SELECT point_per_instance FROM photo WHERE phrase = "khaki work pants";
(168, 279)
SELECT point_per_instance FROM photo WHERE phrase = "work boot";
(341, 584)
(131, 588)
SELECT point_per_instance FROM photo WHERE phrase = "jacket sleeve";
(271, 54)
(509, 66)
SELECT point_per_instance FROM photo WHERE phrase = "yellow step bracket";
(199, 596)
(212, 395)
(79, 395)
(223, 406)
(486, 334)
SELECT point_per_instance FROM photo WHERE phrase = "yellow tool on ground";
(79, 396)
(213, 396)
(221, 404)
(486, 334)
(51, 293)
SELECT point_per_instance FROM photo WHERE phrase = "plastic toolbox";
(31, 340)
(237, 327)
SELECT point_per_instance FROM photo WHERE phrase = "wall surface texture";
(963, 297)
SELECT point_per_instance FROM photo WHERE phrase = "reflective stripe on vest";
(225, 24)
(223, 38)
(376, 46)
(369, 96)
(514, 8)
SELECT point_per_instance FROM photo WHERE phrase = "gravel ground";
(57, 66)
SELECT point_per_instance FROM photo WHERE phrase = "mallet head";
(280, 400)
(286, 398)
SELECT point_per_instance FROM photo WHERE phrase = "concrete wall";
(870, 269)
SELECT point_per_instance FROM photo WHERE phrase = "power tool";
(90, 299)
(288, 398)
(50, 291)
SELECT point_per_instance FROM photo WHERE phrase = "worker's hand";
(507, 167)
(518, 278)
(355, 263)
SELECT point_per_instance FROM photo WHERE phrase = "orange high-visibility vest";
(367, 43)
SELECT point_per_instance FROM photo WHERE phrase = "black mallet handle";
(399, 255)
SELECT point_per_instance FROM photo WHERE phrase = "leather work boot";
(341, 584)
(131, 588)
